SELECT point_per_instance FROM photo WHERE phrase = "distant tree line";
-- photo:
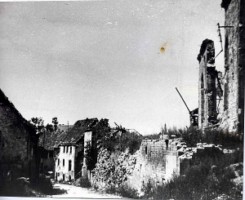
(38, 124)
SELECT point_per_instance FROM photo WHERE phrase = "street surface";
(74, 191)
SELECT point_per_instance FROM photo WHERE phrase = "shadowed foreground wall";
(18, 143)
(233, 113)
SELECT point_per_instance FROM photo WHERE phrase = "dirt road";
(74, 191)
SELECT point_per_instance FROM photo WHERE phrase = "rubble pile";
(187, 155)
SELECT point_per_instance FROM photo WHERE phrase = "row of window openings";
(69, 164)
(66, 149)
(58, 174)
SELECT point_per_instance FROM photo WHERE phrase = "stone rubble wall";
(160, 165)
(153, 162)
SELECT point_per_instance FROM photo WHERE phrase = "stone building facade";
(65, 163)
(69, 157)
(70, 161)
(234, 52)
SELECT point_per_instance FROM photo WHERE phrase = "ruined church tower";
(207, 85)
(231, 116)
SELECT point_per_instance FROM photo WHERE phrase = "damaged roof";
(50, 140)
(77, 132)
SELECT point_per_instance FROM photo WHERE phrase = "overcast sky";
(114, 59)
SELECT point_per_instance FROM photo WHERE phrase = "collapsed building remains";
(229, 87)
(158, 163)
(207, 85)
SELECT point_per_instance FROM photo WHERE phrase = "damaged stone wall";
(155, 163)
(207, 85)
(233, 113)
(158, 164)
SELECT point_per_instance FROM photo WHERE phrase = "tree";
(90, 155)
(37, 122)
(49, 127)
(120, 128)
(55, 122)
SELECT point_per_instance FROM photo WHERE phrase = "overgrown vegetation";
(192, 136)
(38, 124)
(123, 190)
(208, 177)
(154, 136)
(114, 140)
(211, 178)
(120, 139)
(112, 171)
(84, 182)
(172, 132)
(91, 156)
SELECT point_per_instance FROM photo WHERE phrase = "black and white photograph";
(122, 99)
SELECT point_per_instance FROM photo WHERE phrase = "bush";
(192, 136)
(44, 185)
(123, 190)
(84, 182)
(90, 155)
(121, 141)
(148, 189)
(151, 136)
(111, 190)
(126, 191)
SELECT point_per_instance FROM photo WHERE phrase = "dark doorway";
(69, 169)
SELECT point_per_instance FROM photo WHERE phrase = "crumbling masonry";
(233, 111)
(207, 85)
(229, 88)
